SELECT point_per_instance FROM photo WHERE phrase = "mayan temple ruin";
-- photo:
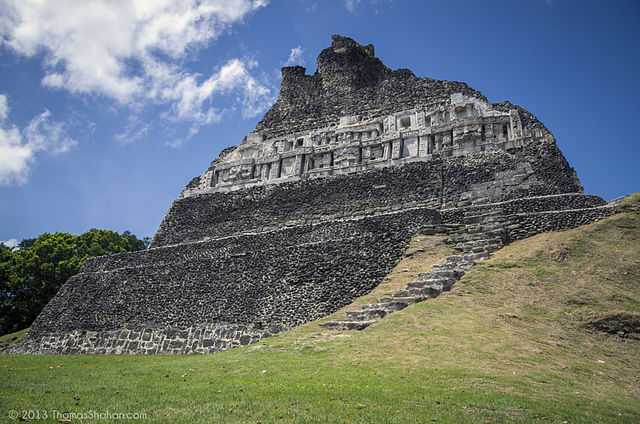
(314, 208)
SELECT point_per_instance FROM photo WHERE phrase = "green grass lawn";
(510, 343)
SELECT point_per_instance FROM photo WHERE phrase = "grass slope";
(510, 343)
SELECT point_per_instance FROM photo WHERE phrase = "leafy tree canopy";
(31, 274)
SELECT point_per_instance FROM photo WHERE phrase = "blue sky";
(108, 108)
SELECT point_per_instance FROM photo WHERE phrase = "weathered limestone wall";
(315, 207)
(523, 225)
(350, 80)
(239, 289)
(204, 338)
(449, 182)
(355, 115)
(553, 202)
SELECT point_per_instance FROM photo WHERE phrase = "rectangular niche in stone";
(288, 166)
(409, 147)
(376, 152)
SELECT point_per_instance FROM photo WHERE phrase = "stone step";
(489, 240)
(370, 306)
(495, 230)
(446, 266)
(486, 217)
(366, 314)
(446, 273)
(482, 249)
(463, 268)
(428, 277)
(487, 212)
(393, 304)
(406, 292)
(441, 285)
(471, 237)
(490, 224)
(468, 238)
(475, 247)
(478, 245)
(425, 292)
(474, 257)
(451, 264)
(347, 325)
(454, 258)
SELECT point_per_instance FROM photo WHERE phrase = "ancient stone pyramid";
(316, 206)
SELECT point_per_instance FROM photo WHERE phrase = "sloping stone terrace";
(250, 280)
(434, 183)
(240, 289)
(484, 231)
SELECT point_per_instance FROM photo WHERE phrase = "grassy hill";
(547, 331)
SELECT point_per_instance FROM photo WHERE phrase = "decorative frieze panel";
(463, 126)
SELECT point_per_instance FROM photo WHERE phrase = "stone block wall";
(443, 181)
(523, 225)
(214, 295)
(555, 202)
(349, 81)
(238, 290)
(229, 268)
(205, 338)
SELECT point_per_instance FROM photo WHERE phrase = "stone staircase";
(475, 241)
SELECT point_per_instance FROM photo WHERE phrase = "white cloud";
(18, 148)
(42, 134)
(4, 108)
(351, 5)
(15, 157)
(11, 243)
(296, 57)
(134, 131)
(130, 51)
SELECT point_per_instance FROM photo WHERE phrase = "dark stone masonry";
(316, 206)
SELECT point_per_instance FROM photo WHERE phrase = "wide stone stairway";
(474, 241)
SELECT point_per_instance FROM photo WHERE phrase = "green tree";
(32, 274)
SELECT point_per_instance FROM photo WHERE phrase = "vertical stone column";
(206, 179)
(489, 134)
(420, 119)
(447, 139)
(396, 145)
(423, 145)
(275, 168)
(297, 168)
(386, 150)
(516, 124)
(265, 170)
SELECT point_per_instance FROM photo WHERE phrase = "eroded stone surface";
(316, 206)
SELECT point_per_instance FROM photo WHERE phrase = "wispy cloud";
(296, 57)
(18, 148)
(133, 52)
(373, 6)
(351, 5)
(135, 130)
(4, 108)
